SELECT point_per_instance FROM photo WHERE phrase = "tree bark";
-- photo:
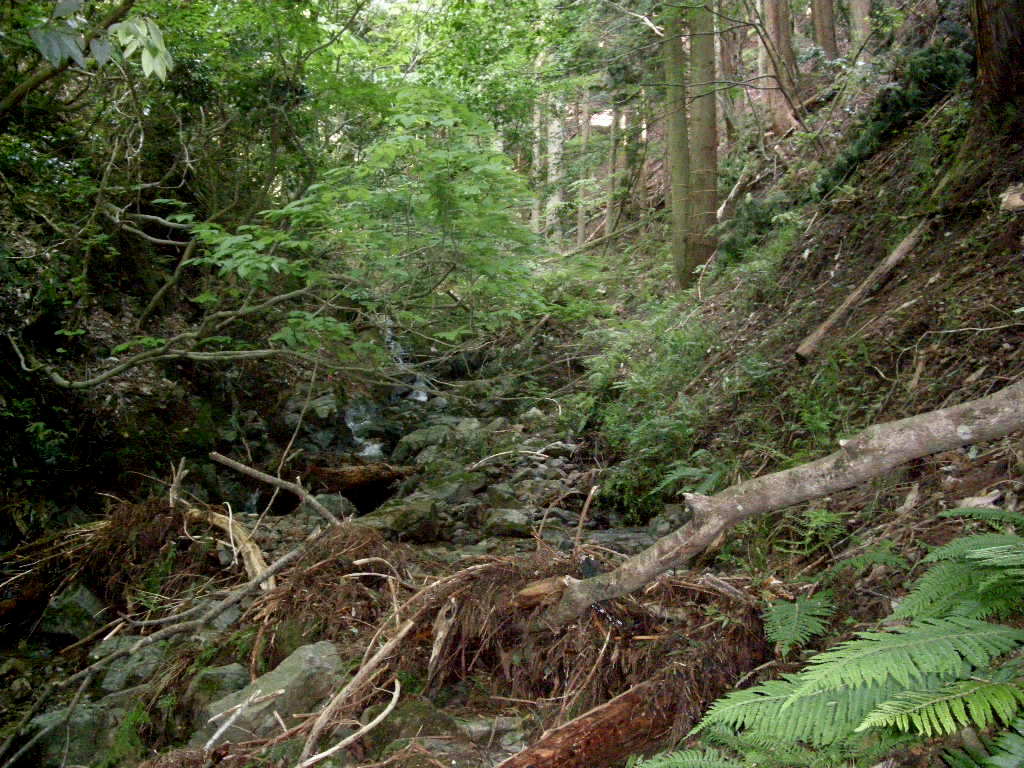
(999, 36)
(611, 213)
(780, 65)
(537, 164)
(703, 138)
(873, 452)
(860, 28)
(556, 144)
(823, 12)
(730, 44)
(677, 136)
(581, 205)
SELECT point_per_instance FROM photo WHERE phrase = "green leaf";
(792, 624)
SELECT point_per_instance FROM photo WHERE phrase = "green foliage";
(978, 702)
(689, 758)
(127, 747)
(880, 554)
(935, 675)
(924, 77)
(790, 624)
(991, 514)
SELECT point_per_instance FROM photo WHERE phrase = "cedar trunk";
(999, 36)
(703, 138)
(860, 28)
(678, 142)
(780, 64)
(825, 27)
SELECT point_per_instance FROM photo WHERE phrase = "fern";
(964, 546)
(909, 655)
(792, 624)
(690, 758)
(769, 710)
(1008, 750)
(948, 588)
(882, 554)
(991, 514)
(974, 702)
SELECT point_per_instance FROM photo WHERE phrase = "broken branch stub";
(873, 452)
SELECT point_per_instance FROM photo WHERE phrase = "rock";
(508, 522)
(413, 717)
(128, 670)
(500, 495)
(211, 684)
(415, 518)
(560, 450)
(429, 455)
(508, 732)
(414, 442)
(533, 415)
(467, 426)
(90, 733)
(669, 519)
(305, 678)
(336, 504)
(628, 541)
(458, 488)
(75, 611)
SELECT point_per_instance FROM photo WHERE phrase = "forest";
(524, 384)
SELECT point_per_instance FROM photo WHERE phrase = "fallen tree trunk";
(809, 346)
(873, 452)
(658, 710)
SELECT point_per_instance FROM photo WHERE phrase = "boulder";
(91, 732)
(211, 684)
(304, 679)
(128, 670)
(75, 611)
(415, 518)
(414, 442)
(508, 522)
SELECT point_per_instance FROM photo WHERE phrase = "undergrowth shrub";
(923, 78)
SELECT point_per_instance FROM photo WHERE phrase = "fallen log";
(656, 711)
(809, 346)
(871, 453)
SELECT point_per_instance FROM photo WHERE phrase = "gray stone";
(90, 731)
(128, 670)
(75, 611)
(500, 495)
(304, 679)
(560, 449)
(415, 518)
(211, 684)
(628, 541)
(336, 504)
(429, 455)
(508, 522)
(467, 426)
(533, 415)
(414, 442)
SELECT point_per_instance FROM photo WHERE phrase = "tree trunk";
(874, 452)
(611, 210)
(999, 36)
(780, 64)
(825, 27)
(556, 143)
(703, 138)
(678, 141)
(730, 43)
(860, 28)
(537, 164)
(581, 202)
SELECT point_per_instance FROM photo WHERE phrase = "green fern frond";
(881, 554)
(792, 624)
(1004, 556)
(1008, 750)
(950, 587)
(959, 758)
(952, 707)
(690, 758)
(991, 514)
(907, 655)
(962, 547)
(820, 718)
